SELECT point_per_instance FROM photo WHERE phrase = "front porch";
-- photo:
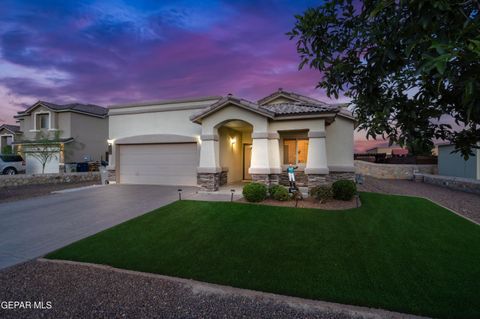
(241, 141)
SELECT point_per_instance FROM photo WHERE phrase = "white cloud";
(48, 78)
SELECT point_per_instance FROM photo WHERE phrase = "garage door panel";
(159, 164)
(177, 159)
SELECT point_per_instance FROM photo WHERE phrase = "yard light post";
(233, 191)
(357, 199)
(179, 194)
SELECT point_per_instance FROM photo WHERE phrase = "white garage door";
(159, 164)
(34, 165)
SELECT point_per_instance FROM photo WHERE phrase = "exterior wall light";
(233, 140)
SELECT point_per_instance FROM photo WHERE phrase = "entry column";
(208, 172)
(316, 168)
(260, 166)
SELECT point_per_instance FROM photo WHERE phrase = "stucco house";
(81, 131)
(217, 140)
(8, 135)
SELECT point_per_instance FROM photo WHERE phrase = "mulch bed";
(310, 203)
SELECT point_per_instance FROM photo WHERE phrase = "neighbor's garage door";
(160, 164)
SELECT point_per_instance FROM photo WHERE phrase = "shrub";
(321, 193)
(344, 189)
(254, 192)
(272, 189)
(281, 194)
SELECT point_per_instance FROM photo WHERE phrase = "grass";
(399, 253)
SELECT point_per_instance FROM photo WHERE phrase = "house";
(81, 131)
(216, 140)
(8, 135)
(389, 150)
(453, 164)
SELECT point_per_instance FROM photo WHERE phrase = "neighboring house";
(81, 131)
(453, 164)
(217, 140)
(389, 150)
(8, 135)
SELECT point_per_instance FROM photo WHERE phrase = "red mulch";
(310, 203)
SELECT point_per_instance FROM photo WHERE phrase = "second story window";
(43, 121)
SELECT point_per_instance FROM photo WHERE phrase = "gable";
(4, 131)
(233, 102)
(281, 99)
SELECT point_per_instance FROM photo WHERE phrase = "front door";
(247, 158)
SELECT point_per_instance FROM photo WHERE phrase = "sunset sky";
(108, 52)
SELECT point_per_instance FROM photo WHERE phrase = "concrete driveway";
(33, 227)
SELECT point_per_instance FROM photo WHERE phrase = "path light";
(357, 200)
(231, 198)
(179, 194)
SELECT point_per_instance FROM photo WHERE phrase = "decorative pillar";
(274, 157)
(316, 168)
(209, 170)
(260, 163)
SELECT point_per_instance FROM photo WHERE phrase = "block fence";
(22, 179)
(393, 171)
(455, 183)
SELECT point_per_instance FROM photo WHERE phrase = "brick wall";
(393, 171)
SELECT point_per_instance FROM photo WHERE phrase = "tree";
(7, 149)
(44, 148)
(411, 68)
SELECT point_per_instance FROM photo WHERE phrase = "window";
(295, 151)
(43, 121)
(7, 140)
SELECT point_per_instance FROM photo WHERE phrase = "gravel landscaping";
(89, 292)
(463, 203)
(13, 193)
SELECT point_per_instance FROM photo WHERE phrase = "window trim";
(1, 140)
(35, 115)
(296, 139)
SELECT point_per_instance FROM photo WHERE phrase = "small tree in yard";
(45, 148)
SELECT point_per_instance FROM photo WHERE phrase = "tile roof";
(232, 99)
(271, 110)
(300, 108)
(292, 95)
(85, 108)
(91, 109)
(11, 128)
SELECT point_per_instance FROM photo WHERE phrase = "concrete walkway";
(33, 227)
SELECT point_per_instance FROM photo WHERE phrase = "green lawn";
(399, 253)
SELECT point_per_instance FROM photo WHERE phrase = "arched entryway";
(235, 150)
